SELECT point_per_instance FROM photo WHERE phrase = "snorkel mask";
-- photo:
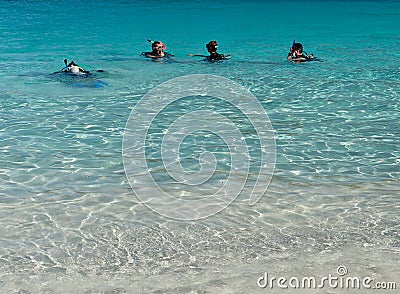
(158, 43)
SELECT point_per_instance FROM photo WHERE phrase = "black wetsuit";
(152, 55)
(299, 57)
(217, 56)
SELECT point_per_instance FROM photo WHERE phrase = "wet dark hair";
(297, 46)
(155, 43)
(211, 44)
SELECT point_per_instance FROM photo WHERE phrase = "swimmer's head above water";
(157, 50)
(212, 47)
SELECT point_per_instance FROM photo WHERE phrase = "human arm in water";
(215, 56)
(152, 55)
(197, 55)
(303, 58)
(298, 59)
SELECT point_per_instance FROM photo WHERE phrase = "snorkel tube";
(161, 43)
(65, 68)
(73, 68)
(305, 56)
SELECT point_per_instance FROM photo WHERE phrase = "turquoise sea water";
(70, 222)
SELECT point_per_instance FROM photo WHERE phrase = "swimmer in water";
(296, 54)
(212, 48)
(157, 50)
(73, 68)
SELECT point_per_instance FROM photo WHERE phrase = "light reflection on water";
(68, 214)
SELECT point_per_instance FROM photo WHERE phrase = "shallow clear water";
(69, 219)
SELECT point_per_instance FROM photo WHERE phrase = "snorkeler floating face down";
(73, 68)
